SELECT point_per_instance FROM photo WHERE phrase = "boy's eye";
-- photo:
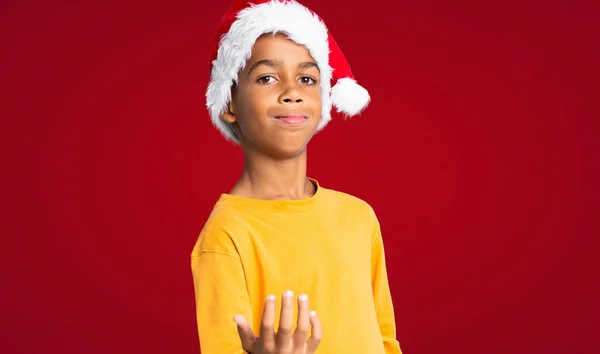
(265, 79)
(307, 80)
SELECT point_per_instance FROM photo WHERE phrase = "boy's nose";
(290, 95)
(291, 100)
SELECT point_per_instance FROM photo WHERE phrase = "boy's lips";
(292, 118)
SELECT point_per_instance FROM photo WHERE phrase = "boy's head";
(274, 59)
(276, 103)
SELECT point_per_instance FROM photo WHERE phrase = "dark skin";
(280, 79)
(282, 339)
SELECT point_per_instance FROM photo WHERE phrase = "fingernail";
(288, 293)
(313, 313)
(271, 298)
(303, 297)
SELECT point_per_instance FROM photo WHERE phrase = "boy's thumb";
(245, 332)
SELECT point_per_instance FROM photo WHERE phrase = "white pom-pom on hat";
(236, 34)
(349, 97)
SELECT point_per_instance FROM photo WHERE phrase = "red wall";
(479, 153)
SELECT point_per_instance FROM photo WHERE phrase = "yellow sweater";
(328, 246)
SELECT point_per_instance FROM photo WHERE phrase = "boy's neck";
(270, 179)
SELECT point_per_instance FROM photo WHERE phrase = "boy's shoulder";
(216, 233)
(349, 202)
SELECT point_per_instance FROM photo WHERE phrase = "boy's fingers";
(303, 322)
(245, 332)
(316, 333)
(284, 332)
(267, 331)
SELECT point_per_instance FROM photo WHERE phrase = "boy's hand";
(283, 341)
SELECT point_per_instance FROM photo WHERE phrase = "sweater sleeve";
(382, 295)
(220, 293)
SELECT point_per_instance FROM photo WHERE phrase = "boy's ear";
(229, 115)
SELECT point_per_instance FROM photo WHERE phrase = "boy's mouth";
(293, 118)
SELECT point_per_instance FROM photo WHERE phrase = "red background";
(479, 153)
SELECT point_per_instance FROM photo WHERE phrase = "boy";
(278, 232)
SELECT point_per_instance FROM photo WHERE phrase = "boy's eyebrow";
(309, 64)
(277, 63)
(267, 62)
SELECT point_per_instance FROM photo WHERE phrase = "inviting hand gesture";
(283, 341)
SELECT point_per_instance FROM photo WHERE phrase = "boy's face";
(276, 105)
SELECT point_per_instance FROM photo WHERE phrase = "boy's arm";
(382, 295)
(220, 293)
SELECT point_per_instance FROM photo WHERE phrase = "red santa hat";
(236, 34)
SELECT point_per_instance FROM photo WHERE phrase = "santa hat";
(236, 34)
